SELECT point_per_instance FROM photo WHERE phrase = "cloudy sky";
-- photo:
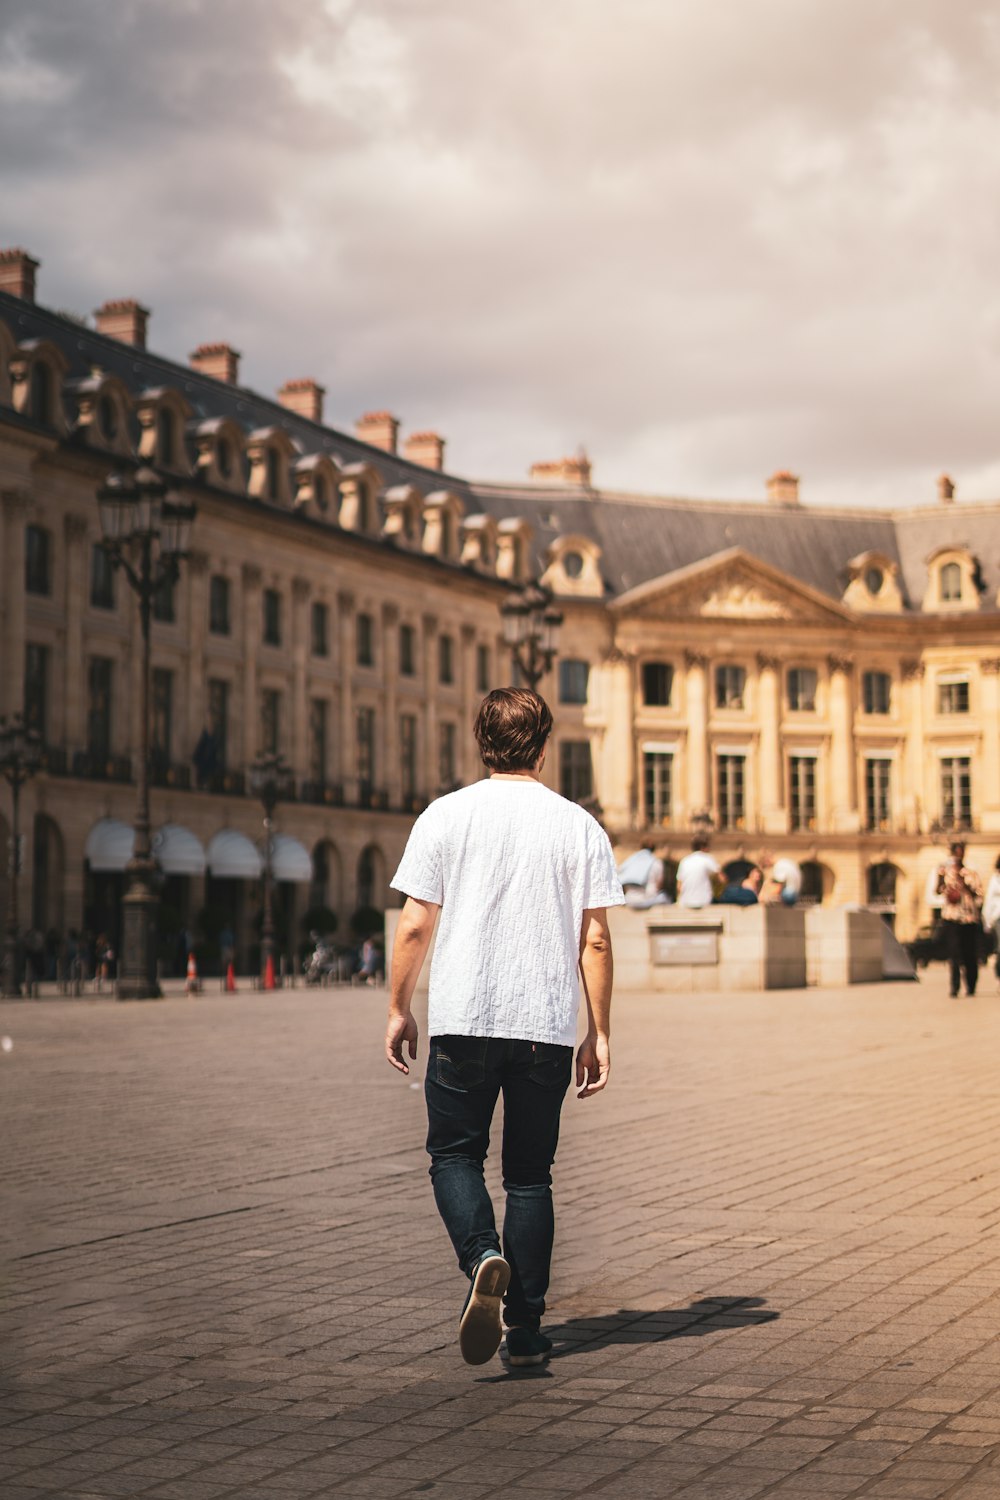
(703, 238)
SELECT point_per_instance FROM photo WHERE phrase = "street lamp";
(271, 781)
(147, 535)
(531, 629)
(20, 752)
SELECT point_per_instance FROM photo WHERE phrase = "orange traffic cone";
(193, 984)
(269, 972)
(230, 979)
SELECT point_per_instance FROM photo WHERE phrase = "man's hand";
(593, 1065)
(401, 1028)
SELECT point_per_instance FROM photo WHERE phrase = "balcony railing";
(165, 773)
(93, 767)
(322, 793)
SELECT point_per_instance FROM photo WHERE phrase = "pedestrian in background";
(696, 875)
(522, 879)
(991, 916)
(962, 893)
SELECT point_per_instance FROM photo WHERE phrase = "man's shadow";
(630, 1326)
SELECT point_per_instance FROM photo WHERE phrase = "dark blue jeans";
(465, 1075)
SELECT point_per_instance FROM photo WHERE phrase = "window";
(272, 617)
(950, 579)
(729, 684)
(573, 681)
(657, 787)
(953, 698)
(802, 791)
(270, 721)
(365, 729)
(576, 777)
(876, 689)
(321, 492)
(36, 688)
(99, 678)
(41, 392)
(318, 718)
(878, 774)
(273, 477)
(364, 642)
(446, 659)
(572, 564)
(407, 654)
(446, 757)
(161, 723)
(107, 418)
(218, 605)
(802, 689)
(657, 683)
(731, 797)
(874, 579)
(224, 457)
(320, 630)
(483, 672)
(37, 560)
(408, 754)
(102, 578)
(166, 436)
(956, 792)
(218, 721)
(164, 603)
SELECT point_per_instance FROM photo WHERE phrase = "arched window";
(224, 457)
(273, 474)
(41, 392)
(166, 436)
(950, 582)
(107, 418)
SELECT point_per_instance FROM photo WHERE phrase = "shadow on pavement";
(707, 1315)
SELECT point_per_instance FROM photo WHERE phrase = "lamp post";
(531, 629)
(20, 752)
(270, 780)
(146, 535)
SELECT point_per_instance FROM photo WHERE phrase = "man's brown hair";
(511, 728)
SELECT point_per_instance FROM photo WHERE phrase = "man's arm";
(593, 1060)
(413, 938)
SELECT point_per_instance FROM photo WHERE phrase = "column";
(431, 778)
(987, 794)
(75, 593)
(193, 694)
(345, 663)
(391, 771)
(250, 736)
(468, 762)
(15, 513)
(699, 793)
(300, 661)
(772, 812)
(912, 765)
(617, 780)
(844, 808)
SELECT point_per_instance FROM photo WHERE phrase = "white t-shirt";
(513, 867)
(694, 879)
(788, 874)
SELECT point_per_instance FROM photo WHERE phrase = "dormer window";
(874, 579)
(224, 457)
(321, 492)
(107, 418)
(954, 581)
(163, 413)
(272, 480)
(574, 567)
(41, 403)
(950, 583)
(166, 437)
(572, 564)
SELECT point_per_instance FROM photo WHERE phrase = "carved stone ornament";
(767, 663)
(430, 624)
(990, 666)
(301, 589)
(912, 670)
(843, 664)
(741, 598)
(695, 659)
(390, 614)
(251, 576)
(345, 601)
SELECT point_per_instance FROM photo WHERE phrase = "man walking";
(522, 879)
(961, 892)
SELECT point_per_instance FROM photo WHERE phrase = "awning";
(109, 846)
(177, 851)
(289, 859)
(231, 856)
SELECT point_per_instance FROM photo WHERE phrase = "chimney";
(425, 448)
(17, 274)
(946, 489)
(379, 428)
(303, 397)
(217, 361)
(783, 488)
(563, 471)
(124, 319)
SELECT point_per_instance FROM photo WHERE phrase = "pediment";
(732, 585)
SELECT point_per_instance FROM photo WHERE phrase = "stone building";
(824, 682)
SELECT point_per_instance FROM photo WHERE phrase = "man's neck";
(514, 776)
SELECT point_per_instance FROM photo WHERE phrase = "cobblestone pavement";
(777, 1260)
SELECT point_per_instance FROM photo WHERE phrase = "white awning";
(177, 851)
(109, 845)
(289, 859)
(231, 856)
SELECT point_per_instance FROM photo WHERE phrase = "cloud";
(704, 239)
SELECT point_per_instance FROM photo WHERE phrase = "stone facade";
(823, 683)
